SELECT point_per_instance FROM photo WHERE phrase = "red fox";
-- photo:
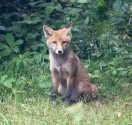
(69, 76)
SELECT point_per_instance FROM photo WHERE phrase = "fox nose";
(59, 52)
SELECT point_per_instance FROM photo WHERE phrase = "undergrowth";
(25, 99)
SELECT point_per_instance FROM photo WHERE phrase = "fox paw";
(68, 102)
(53, 102)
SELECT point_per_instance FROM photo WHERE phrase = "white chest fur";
(61, 68)
(60, 63)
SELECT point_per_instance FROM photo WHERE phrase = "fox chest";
(62, 69)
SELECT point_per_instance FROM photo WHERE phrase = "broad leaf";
(33, 3)
(36, 20)
(6, 52)
(2, 28)
(34, 47)
(3, 46)
(120, 69)
(16, 49)
(3, 78)
(82, 1)
(41, 45)
(46, 57)
(14, 28)
(117, 5)
(10, 39)
(114, 72)
(43, 39)
(49, 10)
(18, 42)
(58, 7)
(74, 11)
(122, 73)
(28, 20)
(18, 62)
(30, 36)
(7, 84)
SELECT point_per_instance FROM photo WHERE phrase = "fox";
(69, 77)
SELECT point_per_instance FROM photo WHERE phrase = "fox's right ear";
(68, 26)
(47, 31)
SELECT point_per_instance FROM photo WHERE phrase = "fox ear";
(47, 31)
(68, 26)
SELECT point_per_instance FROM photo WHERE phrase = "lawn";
(113, 107)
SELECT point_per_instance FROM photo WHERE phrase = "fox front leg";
(69, 90)
(55, 85)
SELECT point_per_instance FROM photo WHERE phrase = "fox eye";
(63, 42)
(54, 42)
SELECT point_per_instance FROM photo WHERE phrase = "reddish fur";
(69, 76)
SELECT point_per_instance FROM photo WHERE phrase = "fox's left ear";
(68, 26)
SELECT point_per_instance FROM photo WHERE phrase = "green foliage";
(101, 37)
(11, 45)
(7, 82)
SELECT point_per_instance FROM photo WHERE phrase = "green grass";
(110, 108)
(26, 103)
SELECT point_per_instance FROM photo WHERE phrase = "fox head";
(58, 40)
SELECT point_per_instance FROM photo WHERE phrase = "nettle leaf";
(87, 20)
(114, 72)
(14, 28)
(82, 1)
(3, 78)
(49, 10)
(122, 73)
(72, 1)
(16, 49)
(3, 46)
(46, 57)
(41, 45)
(34, 47)
(10, 39)
(24, 30)
(74, 11)
(36, 20)
(120, 69)
(8, 84)
(18, 63)
(18, 42)
(30, 36)
(33, 3)
(2, 28)
(58, 7)
(28, 20)
(6, 52)
(117, 5)
(14, 60)
(43, 39)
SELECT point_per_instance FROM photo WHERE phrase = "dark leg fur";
(54, 91)
(55, 85)
(68, 95)
(53, 94)
(69, 90)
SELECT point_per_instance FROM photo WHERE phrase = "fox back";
(69, 76)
